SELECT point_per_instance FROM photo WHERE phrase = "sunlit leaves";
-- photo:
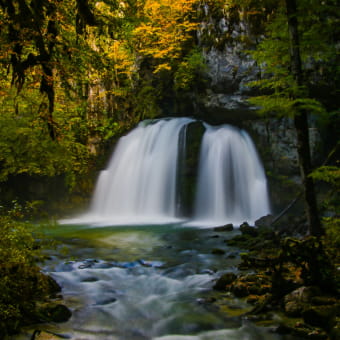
(166, 29)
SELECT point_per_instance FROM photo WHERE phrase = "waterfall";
(139, 185)
(231, 183)
(141, 182)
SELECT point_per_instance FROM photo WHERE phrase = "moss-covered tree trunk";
(301, 126)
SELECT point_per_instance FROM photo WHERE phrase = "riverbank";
(291, 282)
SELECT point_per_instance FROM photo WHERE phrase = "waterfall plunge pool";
(146, 282)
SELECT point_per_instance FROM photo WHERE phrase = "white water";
(232, 185)
(140, 184)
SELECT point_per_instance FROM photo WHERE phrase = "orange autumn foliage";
(166, 28)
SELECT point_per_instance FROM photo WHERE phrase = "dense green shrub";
(21, 282)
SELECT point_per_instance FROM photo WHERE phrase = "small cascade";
(149, 179)
(231, 183)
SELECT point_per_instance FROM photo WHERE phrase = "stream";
(146, 282)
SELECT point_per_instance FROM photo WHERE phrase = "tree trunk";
(301, 126)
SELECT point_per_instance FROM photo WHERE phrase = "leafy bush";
(22, 284)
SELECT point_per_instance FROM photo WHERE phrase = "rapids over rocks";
(147, 282)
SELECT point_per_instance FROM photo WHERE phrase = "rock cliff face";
(229, 71)
(229, 68)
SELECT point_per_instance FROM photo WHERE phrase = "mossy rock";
(224, 228)
(250, 284)
(306, 332)
(218, 251)
(53, 288)
(240, 289)
(54, 312)
(320, 316)
(225, 280)
(246, 229)
(296, 301)
(43, 335)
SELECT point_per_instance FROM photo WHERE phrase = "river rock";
(218, 251)
(90, 279)
(46, 335)
(41, 335)
(55, 312)
(264, 221)
(53, 288)
(250, 284)
(295, 302)
(227, 227)
(225, 280)
(320, 316)
(305, 331)
(246, 229)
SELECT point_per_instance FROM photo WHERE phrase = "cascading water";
(140, 185)
(231, 184)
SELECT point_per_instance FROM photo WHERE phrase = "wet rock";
(246, 229)
(55, 312)
(105, 265)
(305, 331)
(53, 288)
(293, 309)
(295, 302)
(204, 301)
(90, 279)
(47, 335)
(232, 255)
(264, 221)
(240, 289)
(282, 329)
(250, 284)
(227, 227)
(84, 266)
(225, 280)
(106, 301)
(218, 251)
(88, 263)
(252, 299)
(320, 316)
(132, 264)
(325, 300)
(154, 264)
